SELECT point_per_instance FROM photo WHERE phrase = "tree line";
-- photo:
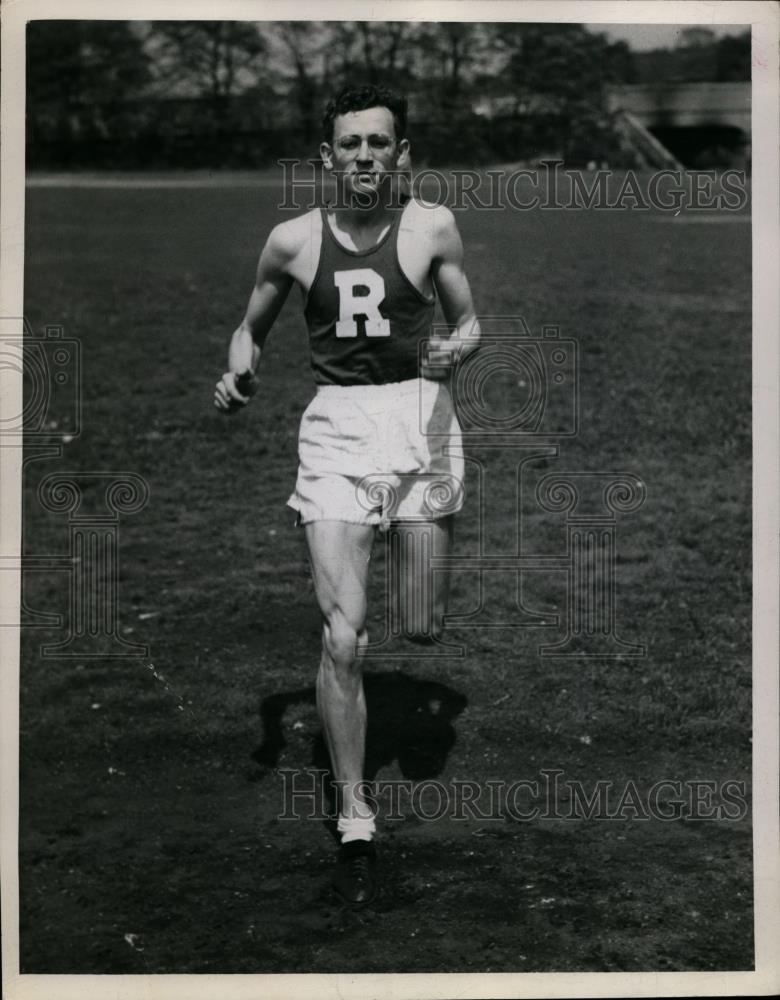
(232, 93)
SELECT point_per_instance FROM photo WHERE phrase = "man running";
(380, 443)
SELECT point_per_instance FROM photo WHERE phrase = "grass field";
(149, 838)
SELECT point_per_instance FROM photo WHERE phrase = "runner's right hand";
(234, 391)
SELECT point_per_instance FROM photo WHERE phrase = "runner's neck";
(363, 229)
(364, 221)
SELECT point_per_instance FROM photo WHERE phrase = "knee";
(341, 640)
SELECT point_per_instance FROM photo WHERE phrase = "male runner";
(380, 442)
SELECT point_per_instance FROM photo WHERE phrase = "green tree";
(205, 65)
(557, 66)
(559, 76)
(303, 43)
(733, 57)
(695, 37)
(84, 60)
(381, 45)
(82, 80)
(213, 59)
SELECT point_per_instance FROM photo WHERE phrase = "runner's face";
(364, 152)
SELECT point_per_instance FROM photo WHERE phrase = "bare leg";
(340, 554)
(422, 597)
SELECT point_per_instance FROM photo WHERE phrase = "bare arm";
(272, 285)
(454, 292)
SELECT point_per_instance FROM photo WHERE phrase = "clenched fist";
(234, 391)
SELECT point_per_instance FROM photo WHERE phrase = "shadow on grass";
(409, 721)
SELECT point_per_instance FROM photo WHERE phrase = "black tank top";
(365, 317)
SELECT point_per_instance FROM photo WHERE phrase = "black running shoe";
(355, 877)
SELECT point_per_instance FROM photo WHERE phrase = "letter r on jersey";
(354, 301)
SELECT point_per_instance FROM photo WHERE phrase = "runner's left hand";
(438, 360)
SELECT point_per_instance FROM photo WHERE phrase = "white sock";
(356, 827)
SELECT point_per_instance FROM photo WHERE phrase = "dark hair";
(359, 99)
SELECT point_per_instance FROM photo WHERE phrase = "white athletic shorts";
(372, 454)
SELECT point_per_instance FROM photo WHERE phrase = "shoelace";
(360, 866)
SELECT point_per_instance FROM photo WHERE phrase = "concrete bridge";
(696, 121)
(686, 105)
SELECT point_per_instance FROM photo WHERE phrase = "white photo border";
(764, 19)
